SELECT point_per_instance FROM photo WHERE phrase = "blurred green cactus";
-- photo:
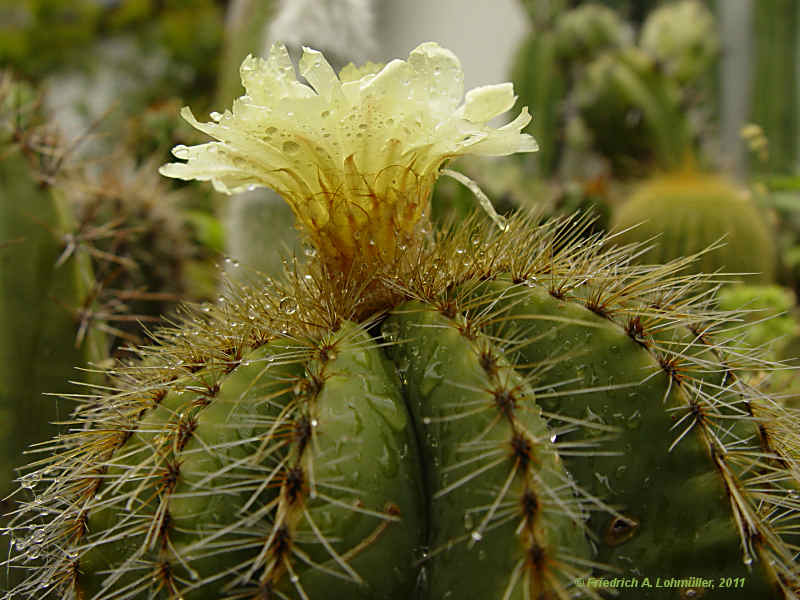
(589, 30)
(684, 213)
(633, 112)
(682, 36)
(775, 91)
(46, 285)
(542, 82)
(769, 322)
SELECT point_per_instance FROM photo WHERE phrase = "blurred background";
(674, 121)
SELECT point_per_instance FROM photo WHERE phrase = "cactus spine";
(416, 414)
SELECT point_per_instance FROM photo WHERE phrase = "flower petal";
(437, 76)
(486, 102)
(319, 73)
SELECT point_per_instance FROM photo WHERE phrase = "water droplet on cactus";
(553, 438)
(38, 535)
(476, 536)
(314, 422)
(30, 480)
(34, 551)
(216, 116)
(288, 306)
(748, 560)
(426, 420)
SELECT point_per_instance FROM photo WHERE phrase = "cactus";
(767, 309)
(497, 410)
(691, 211)
(633, 112)
(541, 82)
(585, 32)
(775, 95)
(683, 37)
(45, 291)
(134, 227)
(550, 57)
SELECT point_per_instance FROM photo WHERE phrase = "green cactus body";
(490, 465)
(775, 86)
(589, 30)
(683, 37)
(541, 82)
(767, 309)
(633, 111)
(649, 399)
(688, 212)
(281, 464)
(41, 302)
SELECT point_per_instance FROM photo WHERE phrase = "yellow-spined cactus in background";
(685, 212)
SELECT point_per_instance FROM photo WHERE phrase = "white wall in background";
(484, 34)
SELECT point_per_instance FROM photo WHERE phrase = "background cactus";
(686, 212)
(496, 411)
(769, 312)
(87, 253)
(143, 245)
(589, 30)
(633, 112)
(542, 83)
(682, 36)
(775, 92)
(46, 285)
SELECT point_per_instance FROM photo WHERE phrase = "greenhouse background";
(676, 122)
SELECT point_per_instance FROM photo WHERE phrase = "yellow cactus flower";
(355, 155)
